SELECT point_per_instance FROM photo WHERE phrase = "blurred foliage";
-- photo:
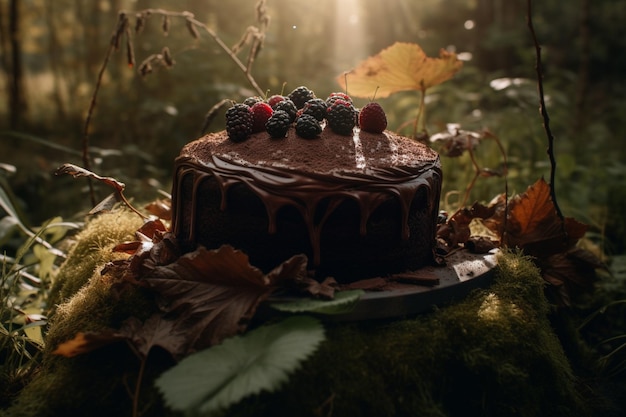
(140, 123)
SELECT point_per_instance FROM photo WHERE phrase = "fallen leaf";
(217, 290)
(168, 334)
(160, 208)
(400, 67)
(533, 223)
(570, 273)
(86, 342)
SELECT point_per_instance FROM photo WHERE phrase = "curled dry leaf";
(160, 208)
(533, 223)
(400, 67)
(456, 141)
(76, 171)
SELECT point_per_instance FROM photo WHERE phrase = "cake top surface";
(327, 152)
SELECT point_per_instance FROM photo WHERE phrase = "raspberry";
(372, 118)
(308, 127)
(301, 95)
(239, 122)
(341, 117)
(338, 96)
(315, 107)
(288, 106)
(278, 125)
(250, 101)
(275, 99)
(261, 112)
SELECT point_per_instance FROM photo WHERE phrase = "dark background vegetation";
(52, 51)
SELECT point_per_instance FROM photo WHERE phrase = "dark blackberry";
(251, 101)
(301, 95)
(308, 127)
(315, 107)
(278, 125)
(341, 117)
(288, 106)
(239, 122)
(338, 96)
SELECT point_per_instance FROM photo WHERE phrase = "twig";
(123, 28)
(122, 23)
(543, 110)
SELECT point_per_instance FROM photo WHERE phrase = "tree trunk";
(54, 53)
(582, 86)
(17, 93)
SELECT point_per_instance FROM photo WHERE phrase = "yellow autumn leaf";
(400, 67)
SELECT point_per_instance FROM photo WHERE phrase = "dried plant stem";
(122, 29)
(420, 113)
(189, 17)
(113, 45)
(137, 391)
(543, 110)
(478, 171)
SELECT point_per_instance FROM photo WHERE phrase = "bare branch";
(544, 111)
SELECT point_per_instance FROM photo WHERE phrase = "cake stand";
(431, 287)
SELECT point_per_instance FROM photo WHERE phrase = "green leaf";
(343, 302)
(223, 375)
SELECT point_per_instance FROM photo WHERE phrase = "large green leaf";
(343, 302)
(260, 360)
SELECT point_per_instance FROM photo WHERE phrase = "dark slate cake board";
(463, 272)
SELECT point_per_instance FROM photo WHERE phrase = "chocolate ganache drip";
(278, 187)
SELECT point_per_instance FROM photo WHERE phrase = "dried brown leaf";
(160, 208)
(87, 342)
(217, 290)
(76, 171)
(534, 226)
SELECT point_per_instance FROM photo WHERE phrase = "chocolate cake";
(358, 205)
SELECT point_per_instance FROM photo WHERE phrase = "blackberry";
(239, 122)
(338, 96)
(315, 107)
(341, 117)
(288, 106)
(251, 101)
(278, 125)
(301, 95)
(308, 127)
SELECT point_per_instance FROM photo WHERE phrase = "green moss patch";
(492, 354)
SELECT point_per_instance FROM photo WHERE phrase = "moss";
(492, 354)
(91, 250)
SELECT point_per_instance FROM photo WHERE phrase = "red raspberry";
(261, 112)
(275, 99)
(372, 118)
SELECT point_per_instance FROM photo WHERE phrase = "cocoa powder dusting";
(328, 152)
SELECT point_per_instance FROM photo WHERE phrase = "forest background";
(52, 51)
